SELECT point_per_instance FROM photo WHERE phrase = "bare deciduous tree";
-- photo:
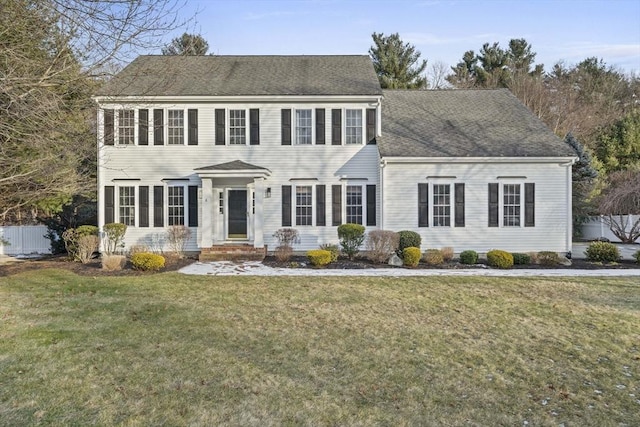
(618, 201)
(437, 75)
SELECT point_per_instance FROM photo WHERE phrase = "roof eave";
(106, 99)
(563, 160)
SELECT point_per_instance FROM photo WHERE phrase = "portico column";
(207, 210)
(258, 217)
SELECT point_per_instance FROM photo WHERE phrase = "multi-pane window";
(441, 205)
(127, 205)
(237, 127)
(354, 204)
(176, 205)
(126, 127)
(303, 126)
(304, 205)
(511, 205)
(175, 122)
(353, 126)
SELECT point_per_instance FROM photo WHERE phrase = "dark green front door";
(237, 222)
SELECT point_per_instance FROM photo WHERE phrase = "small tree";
(584, 176)
(351, 237)
(113, 237)
(619, 200)
(187, 45)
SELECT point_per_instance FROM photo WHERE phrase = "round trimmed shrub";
(521, 259)
(87, 230)
(333, 249)
(351, 238)
(499, 259)
(433, 257)
(146, 261)
(602, 252)
(319, 257)
(408, 239)
(468, 257)
(411, 256)
(548, 258)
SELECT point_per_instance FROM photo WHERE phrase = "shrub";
(134, 249)
(411, 256)
(286, 237)
(499, 259)
(87, 246)
(113, 237)
(319, 257)
(381, 244)
(447, 253)
(81, 242)
(408, 239)
(177, 237)
(146, 261)
(534, 257)
(602, 252)
(637, 256)
(469, 257)
(548, 258)
(351, 237)
(87, 230)
(333, 249)
(113, 262)
(433, 257)
(521, 259)
(283, 253)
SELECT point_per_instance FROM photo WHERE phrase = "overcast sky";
(442, 30)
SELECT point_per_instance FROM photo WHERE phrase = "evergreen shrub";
(146, 261)
(469, 257)
(319, 257)
(408, 239)
(433, 257)
(351, 237)
(333, 249)
(602, 252)
(411, 256)
(499, 259)
(521, 259)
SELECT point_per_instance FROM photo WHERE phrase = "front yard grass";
(170, 349)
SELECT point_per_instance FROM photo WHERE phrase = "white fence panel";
(25, 240)
(596, 228)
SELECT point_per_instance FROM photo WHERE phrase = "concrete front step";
(234, 252)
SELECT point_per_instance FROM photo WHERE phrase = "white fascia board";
(418, 160)
(374, 100)
(234, 174)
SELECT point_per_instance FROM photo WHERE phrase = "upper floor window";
(353, 126)
(126, 127)
(511, 205)
(176, 205)
(127, 205)
(303, 126)
(304, 205)
(237, 127)
(354, 204)
(175, 122)
(441, 205)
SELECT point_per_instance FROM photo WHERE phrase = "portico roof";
(236, 168)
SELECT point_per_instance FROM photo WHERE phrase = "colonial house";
(237, 147)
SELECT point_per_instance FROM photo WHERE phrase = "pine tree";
(396, 63)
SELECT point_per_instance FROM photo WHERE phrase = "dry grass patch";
(173, 349)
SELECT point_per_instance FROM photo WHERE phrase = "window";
(353, 126)
(176, 205)
(175, 122)
(441, 205)
(511, 205)
(127, 205)
(354, 204)
(303, 126)
(126, 127)
(237, 127)
(304, 205)
(221, 202)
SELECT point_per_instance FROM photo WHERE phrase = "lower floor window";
(304, 205)
(354, 204)
(176, 205)
(441, 205)
(126, 203)
(511, 204)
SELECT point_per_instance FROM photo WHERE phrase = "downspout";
(569, 228)
(383, 164)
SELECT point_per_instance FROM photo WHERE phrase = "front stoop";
(232, 252)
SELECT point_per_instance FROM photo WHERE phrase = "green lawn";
(175, 350)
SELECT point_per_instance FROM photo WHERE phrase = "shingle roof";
(245, 75)
(231, 166)
(463, 123)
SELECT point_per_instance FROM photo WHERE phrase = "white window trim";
(247, 126)
(136, 202)
(116, 126)
(501, 185)
(363, 189)
(294, 204)
(166, 126)
(432, 205)
(185, 202)
(363, 127)
(295, 126)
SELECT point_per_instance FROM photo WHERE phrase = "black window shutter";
(320, 126)
(459, 200)
(371, 205)
(371, 125)
(108, 127)
(143, 206)
(158, 206)
(286, 127)
(336, 126)
(220, 126)
(286, 206)
(493, 205)
(193, 205)
(158, 127)
(109, 204)
(320, 205)
(143, 127)
(336, 204)
(193, 126)
(254, 126)
(529, 204)
(423, 205)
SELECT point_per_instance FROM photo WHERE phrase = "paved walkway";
(255, 268)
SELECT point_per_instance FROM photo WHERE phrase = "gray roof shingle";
(231, 166)
(157, 75)
(463, 123)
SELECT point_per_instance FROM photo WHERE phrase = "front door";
(237, 218)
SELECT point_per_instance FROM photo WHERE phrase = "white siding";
(24, 240)
(550, 230)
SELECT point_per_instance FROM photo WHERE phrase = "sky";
(442, 30)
